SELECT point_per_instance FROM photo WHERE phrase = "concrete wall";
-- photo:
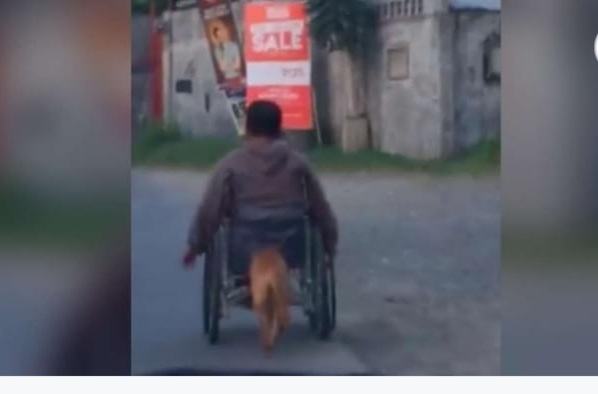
(140, 76)
(477, 102)
(444, 106)
(406, 115)
(204, 111)
(447, 59)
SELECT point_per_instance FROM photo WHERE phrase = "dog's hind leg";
(260, 307)
(269, 325)
(265, 332)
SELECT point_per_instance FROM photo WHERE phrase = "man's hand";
(189, 258)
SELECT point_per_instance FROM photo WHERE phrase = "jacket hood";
(268, 157)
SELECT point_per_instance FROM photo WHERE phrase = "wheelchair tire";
(212, 290)
(332, 296)
(206, 295)
(321, 318)
(214, 326)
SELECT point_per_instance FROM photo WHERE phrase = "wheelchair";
(225, 288)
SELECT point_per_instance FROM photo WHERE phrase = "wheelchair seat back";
(252, 229)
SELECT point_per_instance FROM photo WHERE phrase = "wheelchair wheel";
(211, 292)
(322, 316)
(206, 295)
(332, 295)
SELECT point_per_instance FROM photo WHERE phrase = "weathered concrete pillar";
(355, 134)
(349, 119)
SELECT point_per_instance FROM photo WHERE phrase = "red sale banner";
(277, 53)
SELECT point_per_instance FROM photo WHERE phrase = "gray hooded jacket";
(262, 174)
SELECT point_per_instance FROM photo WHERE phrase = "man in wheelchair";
(266, 189)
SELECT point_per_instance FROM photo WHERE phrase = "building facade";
(433, 76)
(430, 78)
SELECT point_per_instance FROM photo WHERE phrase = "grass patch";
(167, 147)
(484, 158)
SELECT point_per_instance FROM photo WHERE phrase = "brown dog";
(269, 283)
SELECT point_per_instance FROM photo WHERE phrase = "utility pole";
(156, 107)
(170, 59)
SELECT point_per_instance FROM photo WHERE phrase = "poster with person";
(225, 46)
(227, 55)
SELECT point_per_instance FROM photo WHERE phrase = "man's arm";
(321, 212)
(214, 205)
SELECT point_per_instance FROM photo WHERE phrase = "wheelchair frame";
(317, 284)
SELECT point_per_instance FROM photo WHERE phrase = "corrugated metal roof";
(479, 4)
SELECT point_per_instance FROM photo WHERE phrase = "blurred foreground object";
(550, 188)
(64, 186)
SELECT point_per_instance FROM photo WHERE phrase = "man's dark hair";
(264, 118)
